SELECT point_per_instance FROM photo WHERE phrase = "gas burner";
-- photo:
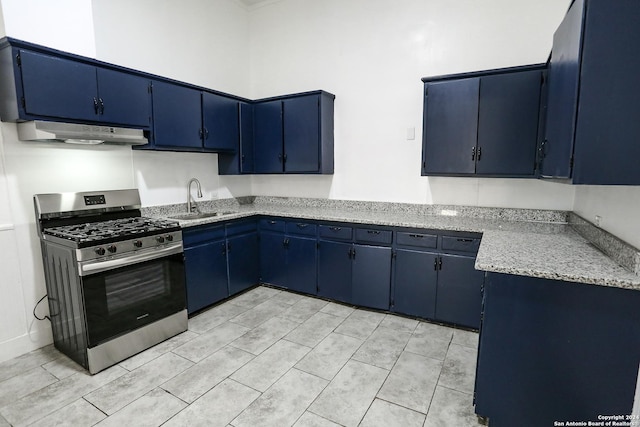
(111, 230)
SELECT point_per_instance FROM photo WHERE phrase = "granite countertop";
(546, 249)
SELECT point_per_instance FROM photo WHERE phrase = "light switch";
(411, 133)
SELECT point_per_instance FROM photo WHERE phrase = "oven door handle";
(93, 267)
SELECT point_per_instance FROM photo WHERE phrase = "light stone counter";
(515, 241)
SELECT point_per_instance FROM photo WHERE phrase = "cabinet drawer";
(302, 228)
(196, 235)
(365, 235)
(242, 227)
(466, 244)
(420, 240)
(336, 232)
(272, 225)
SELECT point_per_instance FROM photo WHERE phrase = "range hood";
(79, 134)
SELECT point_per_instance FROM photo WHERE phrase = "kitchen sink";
(198, 215)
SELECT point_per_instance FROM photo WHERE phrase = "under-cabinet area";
(420, 273)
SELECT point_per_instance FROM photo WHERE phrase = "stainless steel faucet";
(189, 207)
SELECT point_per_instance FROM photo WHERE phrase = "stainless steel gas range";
(115, 280)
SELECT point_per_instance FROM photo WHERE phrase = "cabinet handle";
(101, 105)
(373, 232)
(440, 263)
(479, 153)
(206, 133)
(417, 236)
(280, 158)
(229, 247)
(285, 243)
(465, 240)
(300, 225)
(335, 228)
(354, 253)
(473, 153)
(272, 222)
(284, 158)
(95, 105)
(224, 249)
(201, 133)
(435, 264)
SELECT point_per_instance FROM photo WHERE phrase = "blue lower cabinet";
(206, 274)
(459, 293)
(334, 270)
(415, 283)
(556, 351)
(243, 259)
(301, 264)
(371, 276)
(273, 259)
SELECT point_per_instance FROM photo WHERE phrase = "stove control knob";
(112, 248)
(160, 239)
(137, 243)
(169, 237)
(100, 251)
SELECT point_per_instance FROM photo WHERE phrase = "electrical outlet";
(597, 220)
(411, 134)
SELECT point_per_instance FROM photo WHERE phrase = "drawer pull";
(417, 236)
(465, 240)
(335, 228)
(272, 222)
(300, 225)
(373, 232)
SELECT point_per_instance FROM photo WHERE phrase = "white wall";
(62, 24)
(371, 54)
(618, 207)
(203, 42)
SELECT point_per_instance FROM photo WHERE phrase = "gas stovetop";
(102, 232)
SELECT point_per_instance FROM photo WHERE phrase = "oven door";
(124, 294)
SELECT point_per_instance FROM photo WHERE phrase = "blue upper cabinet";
(593, 129)
(177, 116)
(220, 122)
(267, 134)
(294, 134)
(240, 161)
(450, 126)
(483, 123)
(188, 119)
(57, 88)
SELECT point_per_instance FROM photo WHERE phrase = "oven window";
(124, 299)
(127, 289)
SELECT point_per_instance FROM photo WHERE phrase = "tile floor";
(265, 358)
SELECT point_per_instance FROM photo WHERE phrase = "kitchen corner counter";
(515, 241)
(565, 256)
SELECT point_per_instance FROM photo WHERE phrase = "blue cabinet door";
(240, 161)
(301, 123)
(206, 274)
(531, 362)
(562, 101)
(415, 283)
(244, 262)
(246, 138)
(508, 123)
(371, 279)
(302, 264)
(267, 134)
(220, 122)
(177, 116)
(273, 258)
(124, 98)
(459, 292)
(334, 270)
(57, 87)
(450, 127)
